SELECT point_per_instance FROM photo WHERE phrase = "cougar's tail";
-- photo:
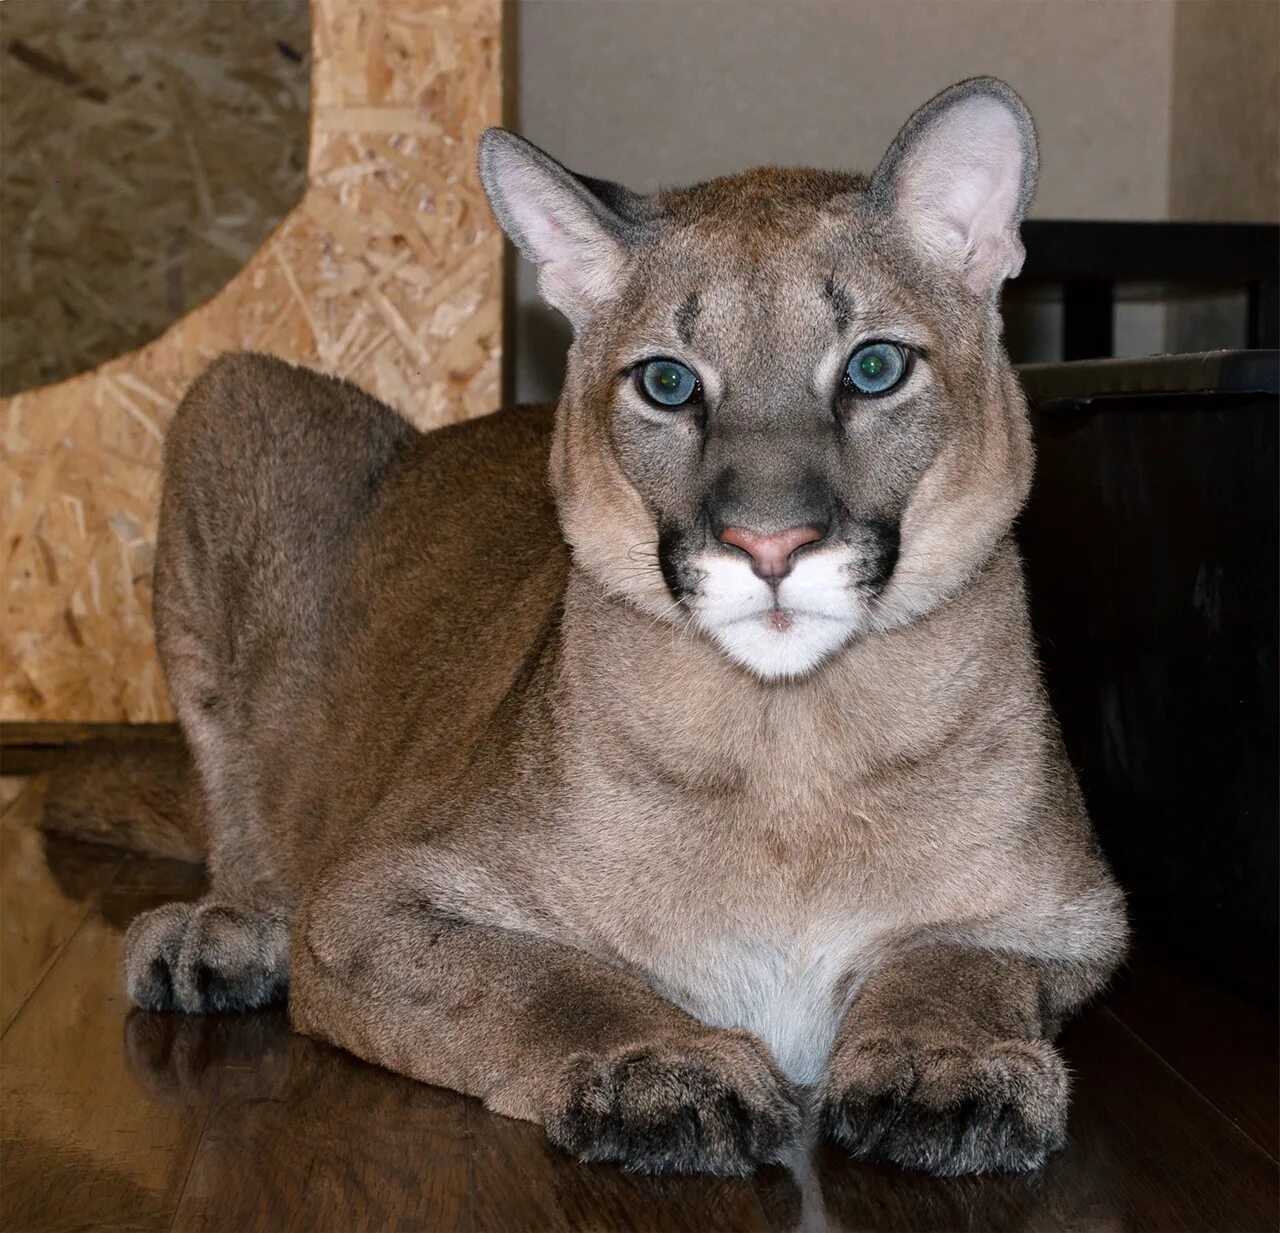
(142, 795)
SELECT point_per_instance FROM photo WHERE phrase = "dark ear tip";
(501, 144)
(988, 87)
(491, 141)
(493, 144)
(985, 83)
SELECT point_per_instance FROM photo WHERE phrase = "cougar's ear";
(567, 226)
(960, 176)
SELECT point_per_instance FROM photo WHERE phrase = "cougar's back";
(327, 582)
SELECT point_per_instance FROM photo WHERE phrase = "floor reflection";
(243, 1061)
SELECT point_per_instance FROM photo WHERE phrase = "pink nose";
(770, 554)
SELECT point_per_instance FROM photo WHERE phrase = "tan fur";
(538, 837)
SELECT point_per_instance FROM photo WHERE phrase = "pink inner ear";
(551, 243)
(578, 260)
(960, 190)
(546, 236)
(542, 233)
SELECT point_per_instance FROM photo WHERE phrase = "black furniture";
(1151, 548)
(1088, 260)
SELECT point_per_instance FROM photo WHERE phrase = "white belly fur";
(792, 992)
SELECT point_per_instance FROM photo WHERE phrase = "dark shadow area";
(542, 338)
(1151, 544)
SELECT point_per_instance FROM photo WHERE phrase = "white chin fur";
(739, 611)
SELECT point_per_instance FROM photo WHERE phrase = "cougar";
(671, 769)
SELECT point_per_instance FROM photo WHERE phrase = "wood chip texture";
(142, 162)
(388, 272)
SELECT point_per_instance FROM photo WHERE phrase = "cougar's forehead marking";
(685, 317)
(841, 303)
(720, 313)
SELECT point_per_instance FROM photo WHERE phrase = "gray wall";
(664, 91)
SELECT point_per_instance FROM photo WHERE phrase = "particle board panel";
(388, 273)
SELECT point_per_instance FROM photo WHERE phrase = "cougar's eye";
(876, 368)
(667, 384)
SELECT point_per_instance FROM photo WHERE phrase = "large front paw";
(206, 957)
(947, 1106)
(714, 1104)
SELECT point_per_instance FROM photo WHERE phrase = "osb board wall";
(142, 163)
(388, 273)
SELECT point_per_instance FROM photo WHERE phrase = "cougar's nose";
(770, 554)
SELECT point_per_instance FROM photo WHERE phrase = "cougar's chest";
(758, 934)
(751, 903)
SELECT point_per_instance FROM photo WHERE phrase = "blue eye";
(876, 368)
(668, 384)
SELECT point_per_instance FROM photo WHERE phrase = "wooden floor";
(118, 1119)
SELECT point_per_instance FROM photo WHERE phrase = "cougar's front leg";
(944, 1061)
(537, 1030)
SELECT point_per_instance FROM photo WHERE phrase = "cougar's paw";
(204, 957)
(947, 1107)
(716, 1104)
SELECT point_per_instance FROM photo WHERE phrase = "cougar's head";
(788, 418)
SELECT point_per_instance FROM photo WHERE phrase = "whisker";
(664, 613)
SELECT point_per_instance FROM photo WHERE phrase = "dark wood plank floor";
(117, 1119)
